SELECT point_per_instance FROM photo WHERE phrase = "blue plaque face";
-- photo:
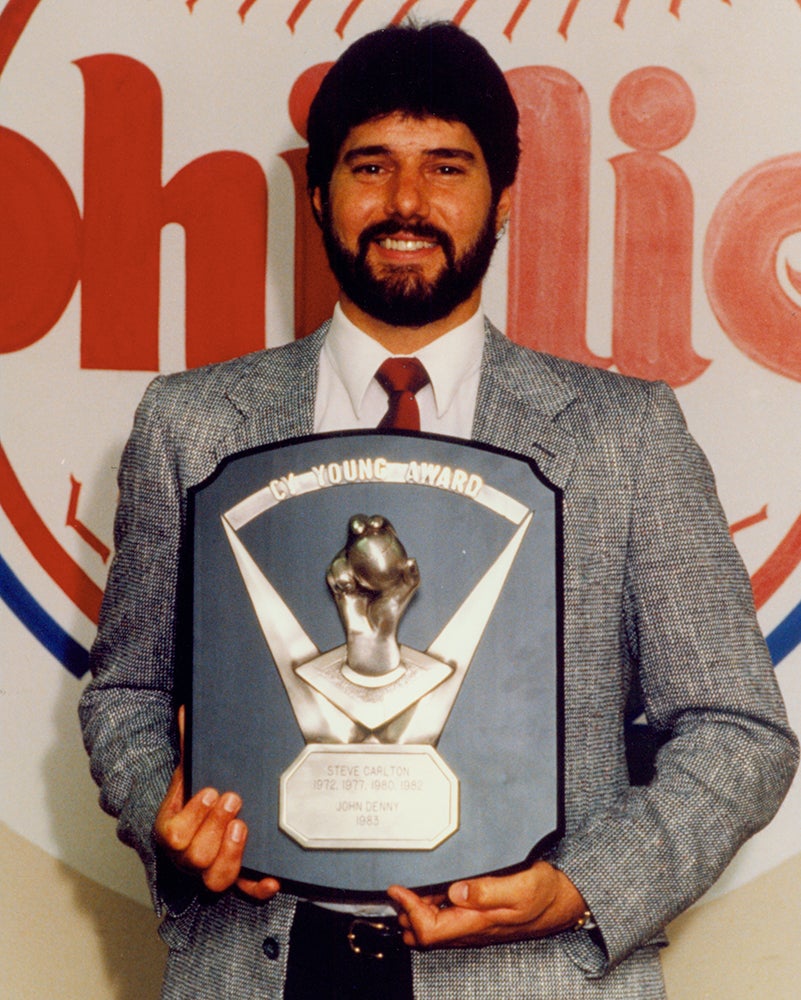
(376, 658)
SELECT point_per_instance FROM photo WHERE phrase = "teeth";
(406, 246)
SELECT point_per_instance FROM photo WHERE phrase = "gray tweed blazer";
(658, 617)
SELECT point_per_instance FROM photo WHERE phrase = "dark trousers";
(333, 956)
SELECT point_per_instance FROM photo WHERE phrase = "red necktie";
(401, 378)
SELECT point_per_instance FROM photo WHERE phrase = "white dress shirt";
(349, 397)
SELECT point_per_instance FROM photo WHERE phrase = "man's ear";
(317, 206)
(503, 208)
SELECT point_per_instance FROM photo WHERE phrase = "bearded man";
(413, 148)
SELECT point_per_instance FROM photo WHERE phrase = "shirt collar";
(449, 360)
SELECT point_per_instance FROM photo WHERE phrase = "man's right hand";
(205, 837)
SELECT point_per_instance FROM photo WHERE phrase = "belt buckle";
(370, 938)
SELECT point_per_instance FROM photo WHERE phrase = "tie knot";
(401, 378)
(402, 375)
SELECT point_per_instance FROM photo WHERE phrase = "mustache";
(391, 227)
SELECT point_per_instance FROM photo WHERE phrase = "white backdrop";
(224, 73)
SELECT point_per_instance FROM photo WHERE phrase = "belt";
(333, 955)
(369, 938)
(374, 938)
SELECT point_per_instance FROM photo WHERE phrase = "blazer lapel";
(520, 399)
(519, 402)
(275, 396)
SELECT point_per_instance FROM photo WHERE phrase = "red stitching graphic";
(352, 7)
(519, 12)
(72, 521)
(404, 10)
(749, 522)
(43, 546)
(619, 17)
(463, 11)
(297, 13)
(245, 8)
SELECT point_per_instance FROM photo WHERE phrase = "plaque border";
(184, 658)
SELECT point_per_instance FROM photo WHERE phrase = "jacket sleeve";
(128, 709)
(692, 640)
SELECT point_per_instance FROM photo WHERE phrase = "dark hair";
(436, 70)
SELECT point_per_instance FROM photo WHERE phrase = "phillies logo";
(110, 252)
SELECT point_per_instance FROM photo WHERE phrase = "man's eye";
(371, 169)
(449, 170)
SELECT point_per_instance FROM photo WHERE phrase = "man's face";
(410, 223)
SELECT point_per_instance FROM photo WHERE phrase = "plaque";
(375, 644)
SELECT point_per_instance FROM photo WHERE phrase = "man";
(413, 149)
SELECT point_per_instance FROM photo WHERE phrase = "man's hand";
(533, 903)
(204, 836)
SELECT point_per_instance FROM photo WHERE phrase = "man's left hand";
(533, 903)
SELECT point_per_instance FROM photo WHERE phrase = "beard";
(400, 295)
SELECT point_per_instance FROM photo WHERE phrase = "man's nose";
(407, 197)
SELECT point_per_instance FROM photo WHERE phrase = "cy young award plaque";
(376, 658)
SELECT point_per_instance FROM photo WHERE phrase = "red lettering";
(221, 202)
(549, 225)
(219, 199)
(122, 212)
(742, 247)
(39, 243)
(652, 110)
(316, 289)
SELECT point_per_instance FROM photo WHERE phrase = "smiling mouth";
(406, 246)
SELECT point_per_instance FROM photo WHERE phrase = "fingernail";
(237, 832)
(230, 803)
(209, 797)
(459, 892)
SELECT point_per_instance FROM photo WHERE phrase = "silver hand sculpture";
(372, 580)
